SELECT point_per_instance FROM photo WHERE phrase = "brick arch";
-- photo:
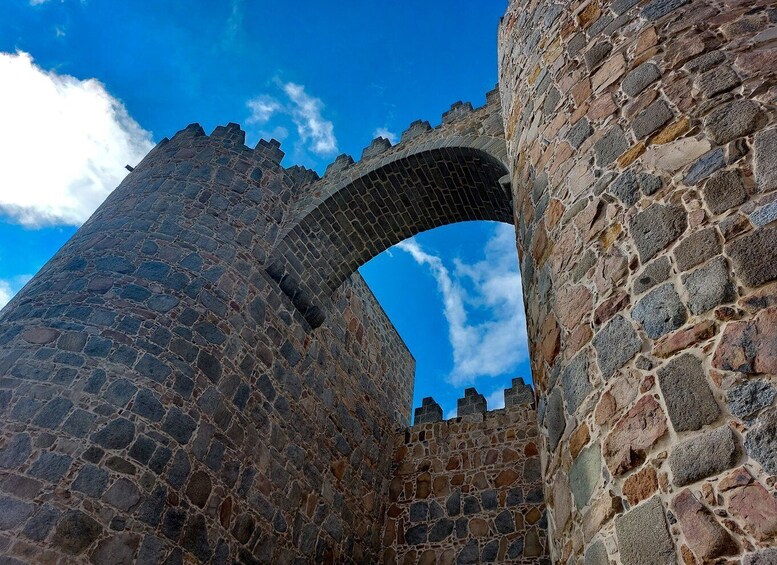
(346, 221)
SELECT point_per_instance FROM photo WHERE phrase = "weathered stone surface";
(709, 286)
(705, 166)
(761, 441)
(554, 419)
(718, 80)
(643, 536)
(752, 503)
(640, 78)
(705, 536)
(596, 554)
(696, 248)
(755, 256)
(640, 486)
(655, 228)
(651, 118)
(762, 557)
(615, 344)
(14, 512)
(660, 311)
(119, 549)
(123, 494)
(655, 272)
(704, 455)
(578, 133)
(610, 146)
(765, 147)
(575, 383)
(733, 120)
(749, 397)
(687, 395)
(117, 434)
(749, 347)
(75, 531)
(584, 474)
(634, 434)
(724, 190)
(597, 54)
(683, 339)
(764, 215)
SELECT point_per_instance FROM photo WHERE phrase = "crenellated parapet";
(473, 403)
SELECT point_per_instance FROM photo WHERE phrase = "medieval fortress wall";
(198, 376)
(644, 159)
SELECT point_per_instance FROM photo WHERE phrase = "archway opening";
(454, 295)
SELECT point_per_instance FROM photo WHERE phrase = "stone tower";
(199, 375)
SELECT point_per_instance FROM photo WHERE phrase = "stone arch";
(357, 211)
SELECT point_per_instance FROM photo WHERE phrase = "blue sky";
(90, 85)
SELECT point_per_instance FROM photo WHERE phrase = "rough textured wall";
(162, 400)
(644, 159)
(467, 490)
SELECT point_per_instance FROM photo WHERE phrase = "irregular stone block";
(749, 347)
(733, 120)
(611, 146)
(75, 531)
(654, 273)
(634, 434)
(765, 149)
(615, 344)
(626, 188)
(651, 118)
(704, 455)
(755, 256)
(578, 133)
(689, 400)
(705, 166)
(640, 78)
(747, 398)
(584, 474)
(655, 228)
(696, 248)
(643, 536)
(764, 215)
(660, 311)
(597, 54)
(709, 286)
(718, 80)
(761, 441)
(596, 554)
(763, 557)
(705, 536)
(752, 503)
(554, 419)
(723, 191)
(575, 383)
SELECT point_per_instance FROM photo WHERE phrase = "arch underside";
(379, 209)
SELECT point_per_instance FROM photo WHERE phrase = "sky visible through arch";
(90, 85)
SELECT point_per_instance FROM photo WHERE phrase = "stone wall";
(467, 490)
(643, 149)
(161, 399)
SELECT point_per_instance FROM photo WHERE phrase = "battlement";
(519, 394)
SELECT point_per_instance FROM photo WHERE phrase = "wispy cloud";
(64, 143)
(306, 113)
(492, 289)
(388, 134)
(496, 399)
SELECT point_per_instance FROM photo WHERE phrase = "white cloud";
(451, 414)
(5, 293)
(262, 109)
(496, 399)
(311, 126)
(9, 287)
(64, 143)
(306, 113)
(492, 288)
(385, 132)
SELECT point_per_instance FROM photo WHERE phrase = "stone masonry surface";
(641, 141)
(467, 490)
(199, 376)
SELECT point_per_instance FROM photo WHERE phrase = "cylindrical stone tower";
(644, 151)
(160, 397)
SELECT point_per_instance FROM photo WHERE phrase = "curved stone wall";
(162, 400)
(643, 148)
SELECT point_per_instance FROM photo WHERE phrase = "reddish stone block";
(706, 537)
(633, 435)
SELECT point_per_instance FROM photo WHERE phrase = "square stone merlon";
(428, 413)
(472, 403)
(519, 393)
